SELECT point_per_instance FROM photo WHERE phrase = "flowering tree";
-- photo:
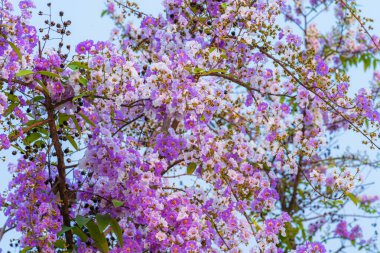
(204, 129)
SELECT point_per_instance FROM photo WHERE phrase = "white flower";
(161, 236)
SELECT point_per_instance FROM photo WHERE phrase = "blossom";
(262, 107)
(84, 47)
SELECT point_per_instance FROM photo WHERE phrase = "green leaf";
(212, 49)
(117, 203)
(85, 118)
(211, 71)
(60, 244)
(16, 49)
(31, 122)
(24, 250)
(104, 12)
(10, 109)
(64, 230)
(81, 220)
(24, 72)
(191, 168)
(366, 122)
(80, 233)
(224, 5)
(62, 117)
(198, 70)
(81, 95)
(17, 147)
(353, 198)
(83, 80)
(13, 98)
(367, 63)
(76, 123)
(98, 237)
(43, 86)
(49, 74)
(38, 98)
(77, 65)
(117, 231)
(72, 142)
(103, 220)
(31, 138)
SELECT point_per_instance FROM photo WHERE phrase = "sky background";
(87, 24)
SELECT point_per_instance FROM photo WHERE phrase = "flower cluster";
(197, 131)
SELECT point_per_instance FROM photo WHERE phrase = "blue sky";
(87, 24)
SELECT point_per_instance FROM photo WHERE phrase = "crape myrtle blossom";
(210, 92)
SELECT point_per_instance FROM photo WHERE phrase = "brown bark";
(63, 192)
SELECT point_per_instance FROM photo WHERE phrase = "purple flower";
(5, 143)
(26, 4)
(258, 57)
(191, 246)
(176, 249)
(84, 47)
(111, 7)
(322, 69)
(268, 74)
(314, 247)
(262, 106)
(342, 88)
(249, 100)
(285, 108)
(271, 136)
(293, 40)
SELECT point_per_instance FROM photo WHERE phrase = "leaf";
(17, 147)
(98, 237)
(13, 98)
(353, 198)
(85, 118)
(104, 12)
(211, 71)
(39, 143)
(83, 80)
(24, 72)
(76, 123)
(64, 230)
(16, 49)
(77, 65)
(43, 86)
(103, 220)
(61, 244)
(49, 74)
(24, 250)
(81, 95)
(31, 122)
(72, 142)
(81, 220)
(38, 98)
(117, 203)
(224, 5)
(212, 49)
(191, 168)
(31, 138)
(80, 233)
(198, 70)
(10, 109)
(117, 231)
